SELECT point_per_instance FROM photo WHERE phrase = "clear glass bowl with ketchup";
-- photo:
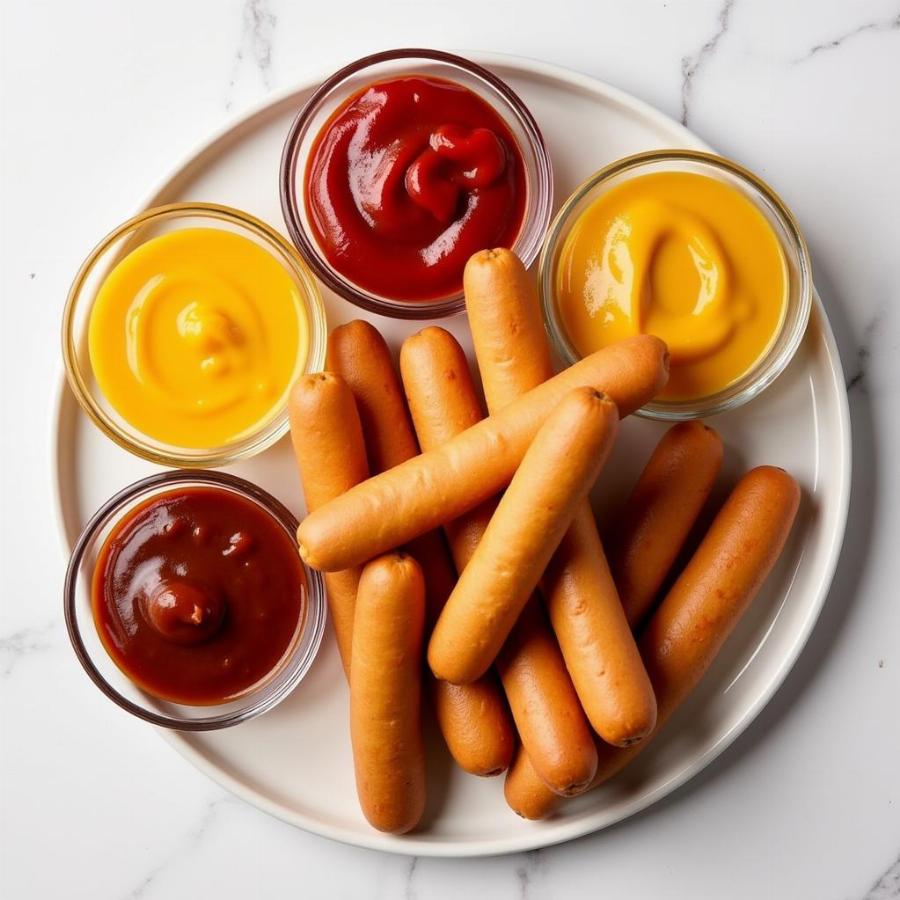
(187, 603)
(399, 167)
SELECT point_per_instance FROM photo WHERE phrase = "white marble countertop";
(99, 99)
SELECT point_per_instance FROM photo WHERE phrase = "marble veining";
(24, 642)
(692, 65)
(888, 886)
(186, 846)
(891, 24)
(257, 34)
(856, 378)
(410, 891)
(245, 39)
(527, 872)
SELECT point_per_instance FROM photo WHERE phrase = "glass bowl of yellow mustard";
(184, 330)
(690, 247)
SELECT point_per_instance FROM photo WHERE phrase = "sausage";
(475, 723)
(556, 474)
(580, 594)
(443, 402)
(705, 604)
(596, 642)
(507, 327)
(707, 601)
(526, 792)
(660, 512)
(422, 493)
(473, 718)
(331, 457)
(360, 355)
(551, 724)
(440, 393)
(385, 693)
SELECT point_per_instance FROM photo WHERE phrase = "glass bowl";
(97, 266)
(799, 302)
(392, 63)
(104, 672)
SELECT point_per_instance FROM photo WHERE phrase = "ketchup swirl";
(407, 180)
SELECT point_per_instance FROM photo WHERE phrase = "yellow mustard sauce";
(685, 257)
(196, 336)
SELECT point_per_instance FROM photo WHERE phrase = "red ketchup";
(407, 180)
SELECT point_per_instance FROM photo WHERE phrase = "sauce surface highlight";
(197, 595)
(685, 257)
(196, 336)
(407, 180)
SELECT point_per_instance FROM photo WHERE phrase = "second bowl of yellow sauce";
(689, 247)
(184, 331)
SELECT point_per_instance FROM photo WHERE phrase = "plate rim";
(414, 845)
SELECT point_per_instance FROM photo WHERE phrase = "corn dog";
(581, 598)
(701, 610)
(385, 693)
(550, 721)
(422, 493)
(556, 473)
(660, 512)
(473, 718)
(331, 457)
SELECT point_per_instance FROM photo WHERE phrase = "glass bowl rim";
(257, 702)
(533, 230)
(256, 441)
(769, 366)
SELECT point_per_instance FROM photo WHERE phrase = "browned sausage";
(359, 354)
(385, 693)
(391, 508)
(443, 402)
(707, 601)
(723, 576)
(526, 792)
(660, 511)
(473, 718)
(532, 516)
(594, 636)
(331, 457)
(550, 721)
(475, 723)
(581, 597)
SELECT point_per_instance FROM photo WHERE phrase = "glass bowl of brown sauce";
(187, 602)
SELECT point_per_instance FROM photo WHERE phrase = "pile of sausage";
(533, 666)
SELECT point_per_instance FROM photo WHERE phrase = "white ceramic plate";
(295, 761)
